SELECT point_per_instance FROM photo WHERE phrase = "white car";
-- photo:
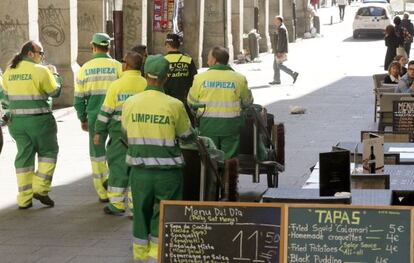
(375, 1)
(372, 18)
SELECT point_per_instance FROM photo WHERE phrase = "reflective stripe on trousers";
(100, 175)
(116, 196)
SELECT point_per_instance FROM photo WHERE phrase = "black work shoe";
(26, 207)
(109, 211)
(103, 200)
(44, 199)
(274, 82)
(295, 76)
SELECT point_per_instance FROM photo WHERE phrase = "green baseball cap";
(101, 39)
(156, 66)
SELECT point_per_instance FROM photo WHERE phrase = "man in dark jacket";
(280, 49)
(181, 71)
(406, 23)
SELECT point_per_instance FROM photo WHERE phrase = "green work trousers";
(35, 134)
(97, 154)
(118, 184)
(228, 144)
(150, 186)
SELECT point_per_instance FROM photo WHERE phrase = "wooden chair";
(386, 107)
(383, 88)
(389, 136)
(377, 78)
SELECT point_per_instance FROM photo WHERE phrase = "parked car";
(375, 1)
(372, 18)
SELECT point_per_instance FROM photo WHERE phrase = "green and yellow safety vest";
(152, 121)
(92, 83)
(27, 88)
(224, 92)
(109, 118)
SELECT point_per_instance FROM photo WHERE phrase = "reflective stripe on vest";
(221, 114)
(27, 97)
(154, 160)
(151, 141)
(30, 111)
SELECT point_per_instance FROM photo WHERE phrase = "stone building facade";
(65, 27)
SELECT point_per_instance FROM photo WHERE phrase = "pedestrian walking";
(223, 92)
(341, 6)
(181, 73)
(27, 86)
(280, 49)
(92, 83)
(109, 122)
(153, 121)
(392, 42)
(409, 27)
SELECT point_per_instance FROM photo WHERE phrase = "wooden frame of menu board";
(296, 246)
(226, 206)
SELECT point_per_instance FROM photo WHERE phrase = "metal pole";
(118, 29)
(202, 179)
(256, 176)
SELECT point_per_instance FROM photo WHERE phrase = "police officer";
(27, 85)
(181, 73)
(152, 121)
(92, 83)
(224, 92)
(109, 120)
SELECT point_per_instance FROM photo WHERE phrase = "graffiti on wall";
(87, 23)
(52, 24)
(132, 21)
(12, 36)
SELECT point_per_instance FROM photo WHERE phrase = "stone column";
(301, 13)
(274, 10)
(155, 39)
(193, 27)
(18, 24)
(237, 25)
(264, 43)
(135, 23)
(58, 32)
(91, 19)
(288, 19)
(217, 27)
(248, 12)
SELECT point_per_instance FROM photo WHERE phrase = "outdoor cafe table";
(406, 150)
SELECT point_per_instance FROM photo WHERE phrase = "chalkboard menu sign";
(403, 116)
(219, 232)
(348, 234)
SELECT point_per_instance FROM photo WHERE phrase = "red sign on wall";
(160, 21)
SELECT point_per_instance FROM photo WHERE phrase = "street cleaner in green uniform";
(27, 86)
(153, 121)
(109, 121)
(92, 83)
(223, 92)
